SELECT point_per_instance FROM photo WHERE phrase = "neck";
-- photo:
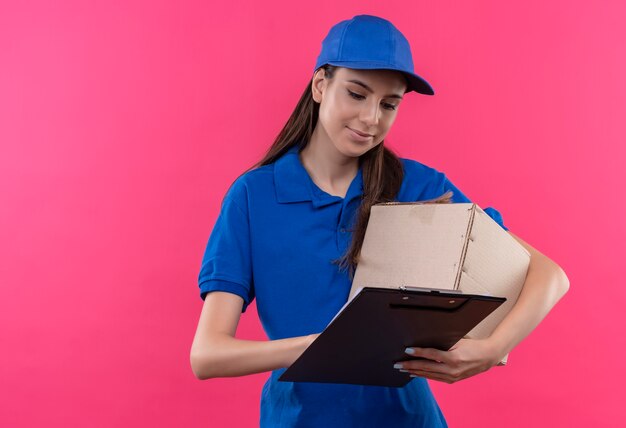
(327, 166)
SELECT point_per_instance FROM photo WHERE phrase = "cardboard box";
(451, 246)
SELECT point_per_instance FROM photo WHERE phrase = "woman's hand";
(466, 358)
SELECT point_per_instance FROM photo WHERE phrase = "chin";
(353, 150)
(356, 148)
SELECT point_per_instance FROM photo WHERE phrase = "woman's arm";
(216, 353)
(544, 286)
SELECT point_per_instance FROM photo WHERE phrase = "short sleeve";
(227, 265)
(444, 185)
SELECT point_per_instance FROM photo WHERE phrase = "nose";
(370, 114)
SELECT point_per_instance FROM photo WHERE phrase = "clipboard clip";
(432, 290)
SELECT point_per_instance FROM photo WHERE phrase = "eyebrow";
(358, 82)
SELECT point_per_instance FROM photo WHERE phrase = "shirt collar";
(293, 183)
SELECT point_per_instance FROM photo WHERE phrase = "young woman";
(290, 230)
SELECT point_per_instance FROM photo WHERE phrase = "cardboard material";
(443, 246)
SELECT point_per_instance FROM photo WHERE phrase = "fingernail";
(397, 366)
(403, 371)
(409, 351)
(413, 375)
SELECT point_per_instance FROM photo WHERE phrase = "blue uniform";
(274, 240)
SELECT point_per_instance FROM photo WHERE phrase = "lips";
(362, 134)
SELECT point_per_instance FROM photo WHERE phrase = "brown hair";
(381, 168)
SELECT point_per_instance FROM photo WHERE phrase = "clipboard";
(369, 334)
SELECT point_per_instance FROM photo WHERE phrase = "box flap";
(412, 244)
(468, 231)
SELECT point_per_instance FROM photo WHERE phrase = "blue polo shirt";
(274, 240)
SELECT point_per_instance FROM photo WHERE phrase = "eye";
(355, 95)
(360, 97)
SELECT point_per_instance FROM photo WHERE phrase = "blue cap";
(369, 42)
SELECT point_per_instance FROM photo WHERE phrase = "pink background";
(123, 123)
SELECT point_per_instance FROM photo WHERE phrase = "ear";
(318, 85)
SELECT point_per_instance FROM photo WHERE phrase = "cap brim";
(415, 82)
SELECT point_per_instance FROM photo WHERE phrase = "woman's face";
(357, 107)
